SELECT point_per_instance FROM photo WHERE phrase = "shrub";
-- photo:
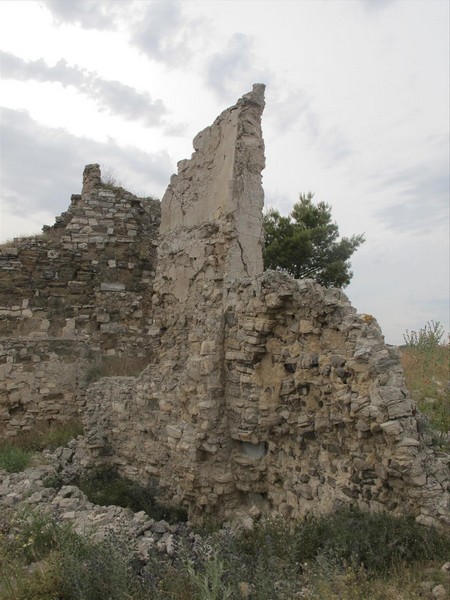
(12, 458)
(108, 487)
(376, 541)
(427, 338)
(48, 435)
(427, 371)
(95, 570)
(117, 367)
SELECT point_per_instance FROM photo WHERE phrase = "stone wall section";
(263, 393)
(211, 232)
(318, 407)
(77, 293)
(267, 393)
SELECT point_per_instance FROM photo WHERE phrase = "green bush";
(48, 435)
(427, 338)
(95, 570)
(108, 487)
(117, 366)
(13, 459)
(375, 541)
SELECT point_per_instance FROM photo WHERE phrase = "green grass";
(17, 453)
(346, 556)
(426, 363)
(13, 459)
(107, 488)
(117, 366)
(48, 435)
(427, 372)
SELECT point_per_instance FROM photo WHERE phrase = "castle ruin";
(262, 393)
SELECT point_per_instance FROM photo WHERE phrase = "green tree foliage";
(305, 244)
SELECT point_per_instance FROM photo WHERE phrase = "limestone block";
(112, 287)
(400, 409)
(208, 347)
(305, 326)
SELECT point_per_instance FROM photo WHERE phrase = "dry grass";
(427, 373)
(19, 452)
(117, 366)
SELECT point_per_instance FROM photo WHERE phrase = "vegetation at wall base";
(16, 453)
(117, 366)
(107, 487)
(12, 458)
(316, 559)
(426, 363)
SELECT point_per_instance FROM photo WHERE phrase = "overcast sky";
(357, 112)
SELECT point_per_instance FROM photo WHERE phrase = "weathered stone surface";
(267, 392)
(79, 292)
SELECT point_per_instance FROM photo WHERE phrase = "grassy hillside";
(426, 362)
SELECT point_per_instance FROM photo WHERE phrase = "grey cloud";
(231, 71)
(113, 96)
(165, 33)
(376, 5)
(14, 67)
(42, 166)
(90, 14)
(123, 100)
(423, 195)
(297, 111)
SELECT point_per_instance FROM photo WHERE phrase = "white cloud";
(113, 96)
(89, 14)
(165, 33)
(234, 68)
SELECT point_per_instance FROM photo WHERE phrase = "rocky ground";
(48, 490)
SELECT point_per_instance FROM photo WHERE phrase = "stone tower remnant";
(266, 393)
(73, 297)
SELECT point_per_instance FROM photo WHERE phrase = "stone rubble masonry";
(263, 394)
(266, 393)
(68, 298)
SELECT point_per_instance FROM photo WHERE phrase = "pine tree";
(306, 245)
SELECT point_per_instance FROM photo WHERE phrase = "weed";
(52, 481)
(427, 373)
(12, 458)
(40, 582)
(376, 541)
(95, 570)
(70, 567)
(48, 435)
(110, 179)
(108, 487)
(119, 366)
(427, 338)
(35, 536)
(209, 581)
(345, 556)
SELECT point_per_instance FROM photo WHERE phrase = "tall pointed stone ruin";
(266, 393)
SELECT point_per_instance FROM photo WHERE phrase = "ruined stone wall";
(267, 393)
(68, 298)
(318, 407)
